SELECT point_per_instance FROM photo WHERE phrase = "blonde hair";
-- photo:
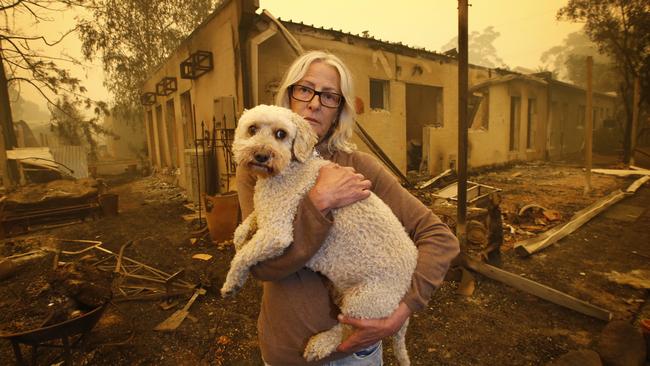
(344, 123)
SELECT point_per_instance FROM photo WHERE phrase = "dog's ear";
(239, 144)
(305, 139)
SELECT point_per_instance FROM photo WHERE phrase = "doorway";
(423, 108)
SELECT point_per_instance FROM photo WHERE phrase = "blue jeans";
(371, 356)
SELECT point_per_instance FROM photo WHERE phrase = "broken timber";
(622, 172)
(637, 183)
(537, 289)
(529, 246)
(433, 180)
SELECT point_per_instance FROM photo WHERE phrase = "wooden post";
(7, 182)
(635, 117)
(462, 122)
(589, 116)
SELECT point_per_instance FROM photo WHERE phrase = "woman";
(296, 303)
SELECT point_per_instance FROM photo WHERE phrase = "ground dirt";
(497, 325)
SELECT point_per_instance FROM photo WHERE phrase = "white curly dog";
(367, 255)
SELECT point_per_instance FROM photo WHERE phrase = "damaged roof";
(508, 78)
(397, 47)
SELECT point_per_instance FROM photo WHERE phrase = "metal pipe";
(196, 155)
(204, 159)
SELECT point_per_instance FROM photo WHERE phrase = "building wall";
(130, 141)
(220, 36)
(555, 129)
(526, 92)
(490, 146)
(367, 59)
(566, 134)
(388, 126)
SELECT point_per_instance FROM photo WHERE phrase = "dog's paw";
(229, 290)
(225, 294)
(320, 346)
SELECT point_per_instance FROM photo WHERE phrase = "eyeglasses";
(306, 94)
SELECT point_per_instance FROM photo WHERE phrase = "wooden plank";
(637, 183)
(621, 172)
(539, 290)
(527, 247)
(433, 180)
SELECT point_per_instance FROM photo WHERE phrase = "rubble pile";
(159, 190)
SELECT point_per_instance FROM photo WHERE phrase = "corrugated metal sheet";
(74, 157)
(37, 156)
(21, 153)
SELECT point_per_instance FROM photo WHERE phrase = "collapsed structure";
(406, 98)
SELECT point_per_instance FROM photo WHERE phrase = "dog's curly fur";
(367, 254)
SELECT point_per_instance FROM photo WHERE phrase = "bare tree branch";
(38, 88)
(41, 37)
(7, 7)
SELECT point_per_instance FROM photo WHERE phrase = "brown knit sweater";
(296, 303)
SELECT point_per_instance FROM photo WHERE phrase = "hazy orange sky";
(527, 27)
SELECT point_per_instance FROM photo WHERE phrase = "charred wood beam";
(374, 147)
(537, 289)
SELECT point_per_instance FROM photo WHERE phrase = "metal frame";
(198, 64)
(146, 281)
(148, 98)
(166, 86)
(474, 192)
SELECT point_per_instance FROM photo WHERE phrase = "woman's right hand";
(338, 186)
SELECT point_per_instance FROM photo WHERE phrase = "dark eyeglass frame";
(315, 93)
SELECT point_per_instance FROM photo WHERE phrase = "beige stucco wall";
(386, 126)
(217, 36)
(488, 146)
(130, 138)
(565, 134)
(367, 59)
(525, 91)
(492, 145)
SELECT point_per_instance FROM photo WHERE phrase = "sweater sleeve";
(310, 228)
(436, 244)
(245, 187)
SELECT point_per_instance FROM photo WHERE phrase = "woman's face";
(320, 77)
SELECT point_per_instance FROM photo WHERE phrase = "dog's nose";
(261, 158)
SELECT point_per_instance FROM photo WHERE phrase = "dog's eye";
(252, 129)
(280, 134)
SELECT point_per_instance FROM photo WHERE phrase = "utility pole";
(589, 116)
(7, 136)
(635, 117)
(461, 229)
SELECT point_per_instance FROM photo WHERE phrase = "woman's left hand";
(370, 331)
